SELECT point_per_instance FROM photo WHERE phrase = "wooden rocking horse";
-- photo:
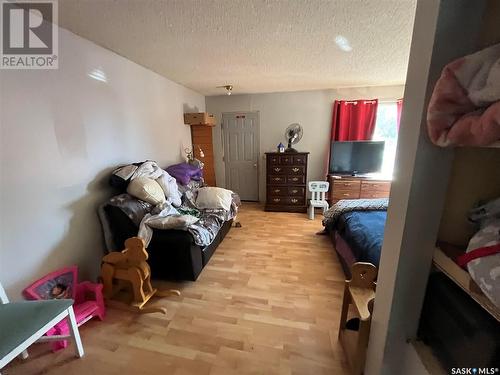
(127, 279)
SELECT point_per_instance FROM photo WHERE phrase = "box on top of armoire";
(199, 118)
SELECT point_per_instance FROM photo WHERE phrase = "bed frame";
(344, 252)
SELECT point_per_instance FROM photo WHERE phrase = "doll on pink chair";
(63, 283)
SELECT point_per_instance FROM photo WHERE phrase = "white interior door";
(241, 153)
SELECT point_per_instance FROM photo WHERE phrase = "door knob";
(255, 165)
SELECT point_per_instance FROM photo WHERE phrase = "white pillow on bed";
(214, 197)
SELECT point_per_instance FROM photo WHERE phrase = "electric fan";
(293, 134)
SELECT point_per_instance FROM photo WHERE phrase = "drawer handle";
(294, 191)
(295, 179)
(277, 179)
(294, 200)
(286, 160)
(277, 190)
(276, 199)
(347, 184)
(277, 169)
(298, 160)
(295, 170)
(345, 194)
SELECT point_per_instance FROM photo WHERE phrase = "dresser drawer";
(295, 191)
(276, 180)
(346, 185)
(375, 189)
(277, 169)
(296, 201)
(277, 191)
(297, 170)
(379, 186)
(279, 160)
(273, 159)
(345, 194)
(374, 194)
(285, 160)
(296, 180)
(286, 201)
(299, 159)
(345, 189)
(277, 200)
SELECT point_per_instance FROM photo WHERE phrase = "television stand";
(359, 175)
(360, 186)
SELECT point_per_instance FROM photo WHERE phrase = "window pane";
(386, 130)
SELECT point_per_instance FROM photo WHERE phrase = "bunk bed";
(459, 324)
(461, 310)
(432, 192)
(443, 260)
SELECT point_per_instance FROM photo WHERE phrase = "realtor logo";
(29, 35)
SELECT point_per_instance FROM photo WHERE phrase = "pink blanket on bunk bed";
(464, 109)
(480, 252)
(482, 257)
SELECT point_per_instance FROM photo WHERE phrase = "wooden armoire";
(201, 136)
(201, 125)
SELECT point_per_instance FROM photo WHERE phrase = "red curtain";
(354, 120)
(399, 103)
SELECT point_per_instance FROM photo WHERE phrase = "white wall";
(61, 134)
(312, 109)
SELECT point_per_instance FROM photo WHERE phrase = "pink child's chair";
(63, 283)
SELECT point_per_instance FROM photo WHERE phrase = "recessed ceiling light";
(343, 43)
(98, 75)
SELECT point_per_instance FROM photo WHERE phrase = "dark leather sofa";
(173, 254)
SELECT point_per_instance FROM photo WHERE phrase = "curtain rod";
(388, 100)
(379, 100)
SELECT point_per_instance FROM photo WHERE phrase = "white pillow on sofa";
(169, 186)
(147, 190)
(179, 222)
(214, 197)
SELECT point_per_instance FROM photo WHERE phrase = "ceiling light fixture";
(229, 89)
(343, 43)
(98, 74)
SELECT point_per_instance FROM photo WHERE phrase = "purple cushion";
(184, 172)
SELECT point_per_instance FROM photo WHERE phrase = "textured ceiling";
(255, 45)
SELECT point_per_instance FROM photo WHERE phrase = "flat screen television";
(356, 157)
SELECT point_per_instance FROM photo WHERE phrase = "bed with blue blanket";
(356, 228)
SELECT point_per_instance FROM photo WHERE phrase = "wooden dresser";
(357, 187)
(286, 177)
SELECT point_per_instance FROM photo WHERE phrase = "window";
(386, 129)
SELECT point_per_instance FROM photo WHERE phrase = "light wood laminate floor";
(268, 302)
